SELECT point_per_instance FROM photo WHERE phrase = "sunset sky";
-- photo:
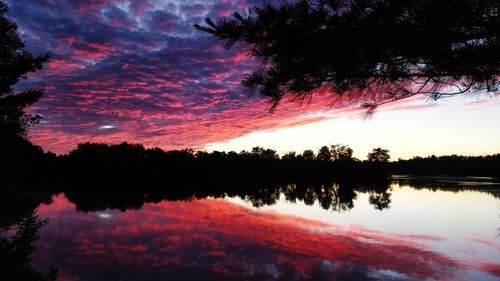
(137, 71)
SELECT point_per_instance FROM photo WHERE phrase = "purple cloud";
(140, 66)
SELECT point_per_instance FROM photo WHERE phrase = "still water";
(406, 232)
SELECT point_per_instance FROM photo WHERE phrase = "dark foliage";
(126, 175)
(324, 154)
(16, 250)
(379, 155)
(15, 64)
(329, 195)
(131, 166)
(16, 205)
(452, 183)
(92, 164)
(17, 154)
(449, 165)
(368, 52)
(341, 152)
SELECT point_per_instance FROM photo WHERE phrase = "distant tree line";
(93, 164)
(449, 165)
(97, 164)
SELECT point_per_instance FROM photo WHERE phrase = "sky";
(137, 71)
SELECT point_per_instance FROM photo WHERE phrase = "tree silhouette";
(379, 155)
(341, 152)
(291, 155)
(264, 153)
(367, 52)
(15, 64)
(324, 154)
(17, 155)
(308, 154)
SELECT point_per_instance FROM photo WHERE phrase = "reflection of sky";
(461, 224)
(219, 240)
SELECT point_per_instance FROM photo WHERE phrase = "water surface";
(411, 231)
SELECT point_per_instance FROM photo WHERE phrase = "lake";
(415, 229)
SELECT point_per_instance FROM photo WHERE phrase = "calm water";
(404, 233)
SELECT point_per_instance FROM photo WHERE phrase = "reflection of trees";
(451, 184)
(379, 195)
(263, 196)
(329, 195)
(90, 201)
(15, 205)
(16, 250)
(19, 230)
(380, 200)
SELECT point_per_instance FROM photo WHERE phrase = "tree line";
(132, 162)
(99, 164)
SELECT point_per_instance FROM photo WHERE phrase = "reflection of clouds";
(219, 240)
(491, 268)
